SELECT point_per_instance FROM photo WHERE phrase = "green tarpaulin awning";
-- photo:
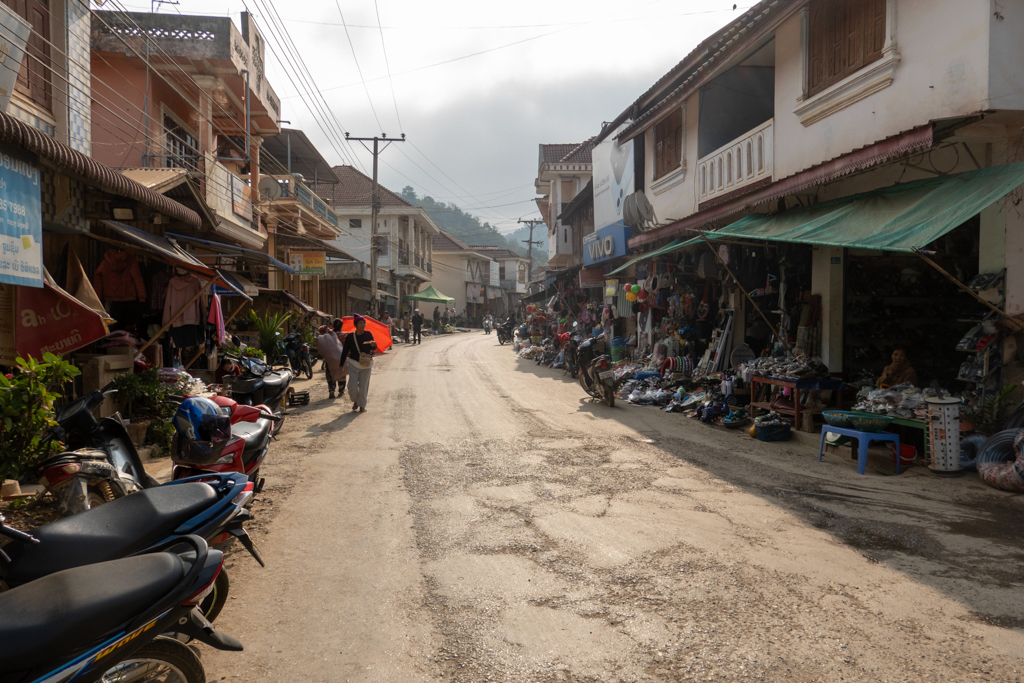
(430, 295)
(899, 218)
(670, 247)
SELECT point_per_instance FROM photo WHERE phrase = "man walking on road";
(328, 345)
(417, 327)
(437, 319)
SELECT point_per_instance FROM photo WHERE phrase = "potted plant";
(144, 399)
(26, 412)
(989, 416)
(269, 329)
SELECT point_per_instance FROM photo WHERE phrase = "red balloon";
(642, 295)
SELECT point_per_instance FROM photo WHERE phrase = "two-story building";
(467, 274)
(563, 170)
(404, 235)
(512, 273)
(850, 136)
(198, 104)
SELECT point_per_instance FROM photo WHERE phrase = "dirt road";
(483, 521)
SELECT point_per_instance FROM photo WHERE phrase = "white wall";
(943, 73)
(448, 279)
(1006, 56)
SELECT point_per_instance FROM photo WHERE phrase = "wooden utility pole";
(533, 223)
(374, 208)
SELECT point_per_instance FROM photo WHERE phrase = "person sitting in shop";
(899, 372)
(226, 367)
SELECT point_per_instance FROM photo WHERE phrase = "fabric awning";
(670, 247)
(898, 218)
(161, 247)
(430, 295)
(244, 255)
(231, 285)
(299, 303)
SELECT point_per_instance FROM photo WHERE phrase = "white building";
(563, 171)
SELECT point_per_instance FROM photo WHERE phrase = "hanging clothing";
(158, 291)
(216, 318)
(118, 278)
(180, 290)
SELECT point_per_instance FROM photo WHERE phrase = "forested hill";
(467, 227)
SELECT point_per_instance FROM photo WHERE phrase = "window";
(355, 223)
(34, 76)
(668, 144)
(845, 36)
(501, 272)
(182, 148)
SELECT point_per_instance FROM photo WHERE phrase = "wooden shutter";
(845, 36)
(34, 75)
(668, 143)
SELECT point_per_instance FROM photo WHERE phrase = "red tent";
(381, 332)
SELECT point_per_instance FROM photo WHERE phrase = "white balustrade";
(745, 160)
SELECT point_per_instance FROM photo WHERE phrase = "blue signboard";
(607, 243)
(21, 220)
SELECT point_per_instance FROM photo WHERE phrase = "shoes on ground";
(330, 394)
(362, 410)
(355, 406)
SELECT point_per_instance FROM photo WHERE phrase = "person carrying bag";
(357, 358)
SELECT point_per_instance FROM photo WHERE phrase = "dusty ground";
(483, 521)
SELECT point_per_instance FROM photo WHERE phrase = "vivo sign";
(606, 243)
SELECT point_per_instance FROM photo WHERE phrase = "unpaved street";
(484, 521)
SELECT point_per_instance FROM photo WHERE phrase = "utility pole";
(533, 223)
(374, 207)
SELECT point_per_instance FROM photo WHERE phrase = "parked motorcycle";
(299, 355)
(251, 430)
(260, 384)
(212, 507)
(106, 621)
(101, 463)
(594, 369)
(506, 331)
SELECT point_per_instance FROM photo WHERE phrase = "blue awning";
(245, 255)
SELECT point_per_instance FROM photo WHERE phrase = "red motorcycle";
(251, 430)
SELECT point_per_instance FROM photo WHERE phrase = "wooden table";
(796, 385)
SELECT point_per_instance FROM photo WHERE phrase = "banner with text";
(21, 219)
(308, 262)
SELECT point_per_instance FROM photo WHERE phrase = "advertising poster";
(21, 220)
(308, 262)
(613, 180)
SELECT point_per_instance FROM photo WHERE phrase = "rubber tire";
(172, 653)
(307, 368)
(583, 383)
(501, 340)
(609, 395)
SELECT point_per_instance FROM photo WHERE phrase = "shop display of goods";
(838, 418)
(903, 400)
(870, 423)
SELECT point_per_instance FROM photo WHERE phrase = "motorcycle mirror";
(575, 325)
(236, 341)
(283, 360)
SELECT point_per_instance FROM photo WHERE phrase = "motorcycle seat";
(107, 532)
(255, 434)
(273, 382)
(47, 620)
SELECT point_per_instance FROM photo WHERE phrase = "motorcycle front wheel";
(307, 369)
(162, 659)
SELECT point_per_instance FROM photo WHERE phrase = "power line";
(394, 98)
(359, 69)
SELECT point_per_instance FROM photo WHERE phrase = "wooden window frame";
(35, 76)
(844, 36)
(668, 144)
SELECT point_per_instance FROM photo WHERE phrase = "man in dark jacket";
(417, 327)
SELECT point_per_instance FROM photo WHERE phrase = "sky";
(475, 86)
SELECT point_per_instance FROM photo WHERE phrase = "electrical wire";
(387, 64)
(358, 68)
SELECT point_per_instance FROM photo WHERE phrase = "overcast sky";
(551, 71)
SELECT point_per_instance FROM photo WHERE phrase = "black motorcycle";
(107, 621)
(506, 331)
(299, 355)
(261, 384)
(100, 463)
(594, 369)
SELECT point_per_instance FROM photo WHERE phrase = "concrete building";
(467, 274)
(563, 170)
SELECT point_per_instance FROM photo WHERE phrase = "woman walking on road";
(357, 357)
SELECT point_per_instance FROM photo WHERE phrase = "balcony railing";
(744, 161)
(291, 188)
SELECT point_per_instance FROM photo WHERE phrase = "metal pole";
(288, 138)
(373, 235)
(248, 112)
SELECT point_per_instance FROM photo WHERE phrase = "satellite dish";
(270, 188)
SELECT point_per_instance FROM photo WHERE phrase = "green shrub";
(268, 329)
(26, 412)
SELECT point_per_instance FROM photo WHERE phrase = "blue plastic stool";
(863, 440)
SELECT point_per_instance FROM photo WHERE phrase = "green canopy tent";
(430, 295)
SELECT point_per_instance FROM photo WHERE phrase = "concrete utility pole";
(374, 207)
(533, 223)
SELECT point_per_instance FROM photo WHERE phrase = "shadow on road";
(955, 535)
